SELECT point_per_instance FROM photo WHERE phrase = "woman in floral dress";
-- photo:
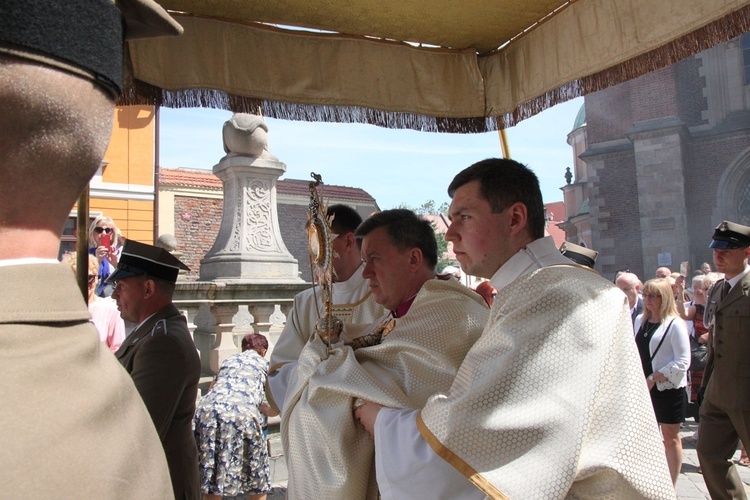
(233, 456)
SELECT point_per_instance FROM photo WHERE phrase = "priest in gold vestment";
(550, 402)
(412, 352)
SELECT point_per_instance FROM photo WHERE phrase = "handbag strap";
(662, 340)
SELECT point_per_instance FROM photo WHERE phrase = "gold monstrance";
(320, 241)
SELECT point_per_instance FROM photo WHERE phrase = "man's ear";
(149, 288)
(351, 240)
(415, 258)
(518, 218)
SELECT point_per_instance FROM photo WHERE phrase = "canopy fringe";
(719, 31)
(714, 33)
(139, 92)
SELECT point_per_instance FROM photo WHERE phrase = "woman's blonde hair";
(70, 259)
(699, 280)
(663, 288)
(103, 219)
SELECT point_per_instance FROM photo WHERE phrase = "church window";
(744, 205)
(745, 44)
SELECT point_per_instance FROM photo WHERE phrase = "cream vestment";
(353, 304)
(549, 403)
(328, 454)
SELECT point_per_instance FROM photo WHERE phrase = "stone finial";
(246, 135)
(168, 242)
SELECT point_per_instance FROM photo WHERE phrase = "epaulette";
(160, 328)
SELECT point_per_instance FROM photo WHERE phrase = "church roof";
(293, 187)
(580, 118)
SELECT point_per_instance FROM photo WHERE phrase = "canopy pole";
(504, 143)
(82, 244)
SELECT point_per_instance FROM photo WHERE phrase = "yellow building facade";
(123, 187)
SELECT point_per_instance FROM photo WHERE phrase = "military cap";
(578, 254)
(84, 37)
(730, 235)
(139, 259)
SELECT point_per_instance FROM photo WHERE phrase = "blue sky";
(394, 166)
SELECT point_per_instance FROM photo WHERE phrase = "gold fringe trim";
(722, 30)
(139, 92)
(458, 463)
(719, 31)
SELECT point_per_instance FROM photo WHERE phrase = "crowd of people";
(426, 392)
(681, 335)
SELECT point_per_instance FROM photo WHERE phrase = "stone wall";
(668, 157)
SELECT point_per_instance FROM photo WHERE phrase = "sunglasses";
(100, 230)
(92, 278)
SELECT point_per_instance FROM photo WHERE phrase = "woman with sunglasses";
(104, 239)
(664, 348)
(104, 313)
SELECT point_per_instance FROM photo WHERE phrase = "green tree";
(428, 208)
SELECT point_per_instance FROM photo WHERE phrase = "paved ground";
(690, 484)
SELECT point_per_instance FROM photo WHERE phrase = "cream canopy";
(436, 65)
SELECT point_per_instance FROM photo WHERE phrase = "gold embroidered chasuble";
(353, 304)
(328, 454)
(550, 402)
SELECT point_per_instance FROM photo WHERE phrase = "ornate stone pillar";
(249, 248)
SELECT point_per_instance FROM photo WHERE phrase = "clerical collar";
(403, 308)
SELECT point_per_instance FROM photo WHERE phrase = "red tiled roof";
(293, 187)
(556, 211)
(185, 177)
(555, 214)
(557, 234)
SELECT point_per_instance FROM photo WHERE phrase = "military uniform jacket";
(727, 366)
(160, 356)
(72, 425)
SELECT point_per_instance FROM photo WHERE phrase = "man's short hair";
(345, 220)
(503, 182)
(406, 231)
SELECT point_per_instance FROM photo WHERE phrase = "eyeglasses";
(92, 278)
(100, 230)
(652, 296)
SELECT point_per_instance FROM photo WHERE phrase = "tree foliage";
(429, 208)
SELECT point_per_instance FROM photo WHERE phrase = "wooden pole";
(82, 244)
(504, 143)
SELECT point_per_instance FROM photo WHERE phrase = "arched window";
(733, 193)
(744, 201)
(745, 44)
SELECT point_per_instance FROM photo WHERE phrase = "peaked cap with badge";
(730, 235)
(139, 259)
(579, 254)
(84, 37)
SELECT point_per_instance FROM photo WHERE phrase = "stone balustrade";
(220, 313)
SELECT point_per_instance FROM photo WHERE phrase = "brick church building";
(660, 160)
